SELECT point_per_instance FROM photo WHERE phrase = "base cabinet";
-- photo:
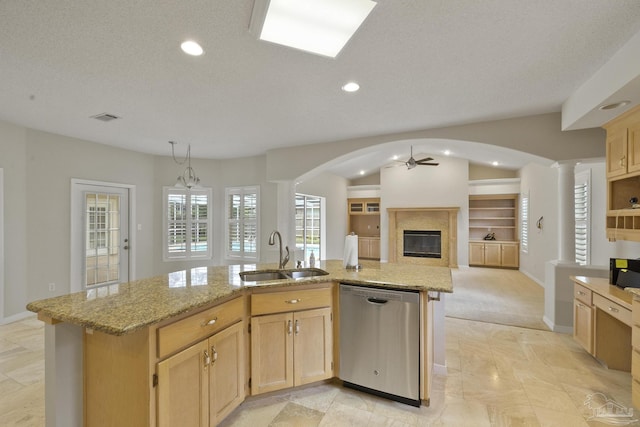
(494, 254)
(369, 247)
(291, 349)
(201, 385)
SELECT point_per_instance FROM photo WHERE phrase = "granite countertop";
(602, 286)
(123, 308)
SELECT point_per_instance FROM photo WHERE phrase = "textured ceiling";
(420, 64)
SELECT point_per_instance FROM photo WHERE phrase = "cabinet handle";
(622, 160)
(207, 359)
(613, 310)
(289, 327)
(297, 327)
(209, 322)
(293, 301)
(582, 293)
(215, 354)
(580, 305)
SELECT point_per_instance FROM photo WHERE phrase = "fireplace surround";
(444, 220)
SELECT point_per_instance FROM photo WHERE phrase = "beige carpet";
(493, 295)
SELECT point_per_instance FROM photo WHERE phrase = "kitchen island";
(110, 351)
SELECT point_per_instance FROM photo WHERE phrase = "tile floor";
(498, 375)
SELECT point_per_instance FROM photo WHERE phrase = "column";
(566, 212)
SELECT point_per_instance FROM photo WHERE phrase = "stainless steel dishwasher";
(380, 342)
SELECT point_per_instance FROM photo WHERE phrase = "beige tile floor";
(498, 375)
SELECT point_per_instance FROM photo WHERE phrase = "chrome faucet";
(272, 241)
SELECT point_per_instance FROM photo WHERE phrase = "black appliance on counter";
(624, 273)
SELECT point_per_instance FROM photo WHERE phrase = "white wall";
(426, 186)
(541, 183)
(334, 189)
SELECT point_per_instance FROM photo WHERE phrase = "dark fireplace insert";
(422, 243)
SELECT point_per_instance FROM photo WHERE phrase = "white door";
(100, 231)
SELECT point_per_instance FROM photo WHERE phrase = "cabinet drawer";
(583, 294)
(615, 310)
(294, 300)
(198, 326)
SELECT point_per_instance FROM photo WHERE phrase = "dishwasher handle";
(377, 301)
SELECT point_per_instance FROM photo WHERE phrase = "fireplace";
(422, 243)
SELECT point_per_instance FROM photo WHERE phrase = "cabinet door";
(226, 375)
(374, 248)
(583, 325)
(492, 254)
(633, 148)
(363, 247)
(271, 352)
(312, 346)
(617, 158)
(476, 253)
(183, 388)
(509, 255)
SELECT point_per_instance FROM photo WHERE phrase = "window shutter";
(582, 219)
(524, 222)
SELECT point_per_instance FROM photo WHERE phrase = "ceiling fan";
(412, 163)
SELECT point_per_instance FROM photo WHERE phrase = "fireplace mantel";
(443, 219)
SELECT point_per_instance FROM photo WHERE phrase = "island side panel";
(63, 375)
(118, 379)
(426, 346)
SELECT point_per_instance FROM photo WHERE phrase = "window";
(524, 222)
(187, 223)
(309, 225)
(582, 215)
(242, 210)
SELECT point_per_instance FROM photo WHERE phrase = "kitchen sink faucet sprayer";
(272, 241)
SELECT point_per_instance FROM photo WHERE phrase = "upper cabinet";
(623, 176)
(364, 206)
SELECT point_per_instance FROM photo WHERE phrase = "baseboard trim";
(439, 369)
(532, 278)
(16, 317)
(557, 328)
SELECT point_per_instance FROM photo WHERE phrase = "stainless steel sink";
(265, 275)
(299, 273)
(262, 276)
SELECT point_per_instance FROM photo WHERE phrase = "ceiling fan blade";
(426, 159)
(428, 164)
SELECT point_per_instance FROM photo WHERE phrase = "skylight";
(322, 27)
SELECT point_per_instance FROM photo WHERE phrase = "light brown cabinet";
(635, 353)
(369, 247)
(201, 385)
(583, 317)
(291, 348)
(494, 254)
(363, 219)
(623, 176)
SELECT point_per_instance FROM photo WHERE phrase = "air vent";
(105, 117)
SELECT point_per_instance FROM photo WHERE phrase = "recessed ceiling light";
(351, 87)
(447, 152)
(395, 157)
(614, 105)
(361, 172)
(322, 27)
(495, 163)
(191, 48)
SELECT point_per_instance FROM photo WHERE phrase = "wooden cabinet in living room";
(291, 348)
(363, 219)
(494, 254)
(583, 317)
(369, 247)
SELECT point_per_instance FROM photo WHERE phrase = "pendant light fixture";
(188, 179)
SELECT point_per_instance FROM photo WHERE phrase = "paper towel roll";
(350, 251)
